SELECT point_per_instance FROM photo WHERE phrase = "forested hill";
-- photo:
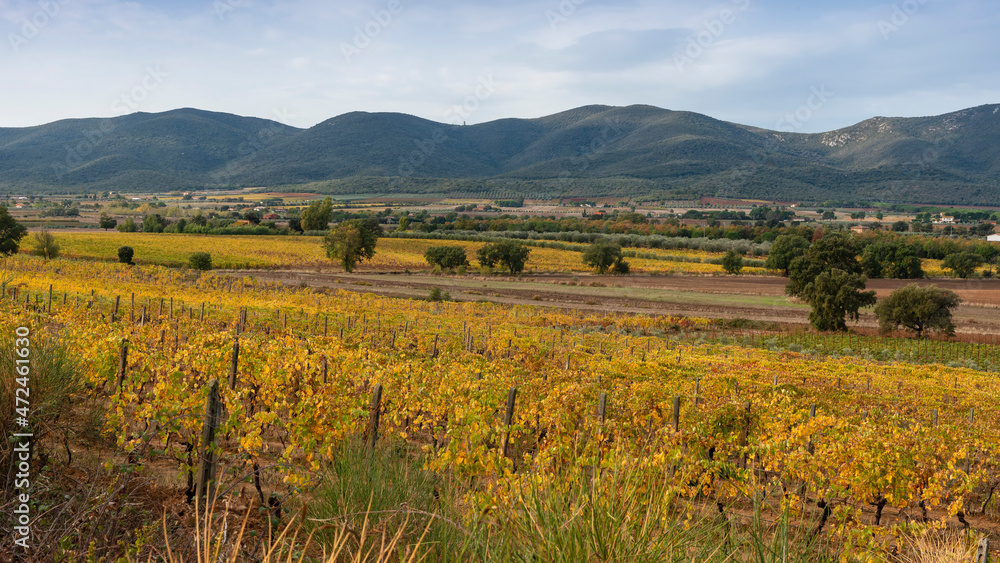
(591, 150)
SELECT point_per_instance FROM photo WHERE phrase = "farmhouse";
(860, 229)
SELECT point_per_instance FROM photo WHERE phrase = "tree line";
(829, 275)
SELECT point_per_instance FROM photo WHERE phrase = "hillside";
(591, 150)
(141, 151)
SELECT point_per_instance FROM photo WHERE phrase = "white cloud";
(265, 54)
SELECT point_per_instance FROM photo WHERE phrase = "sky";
(792, 66)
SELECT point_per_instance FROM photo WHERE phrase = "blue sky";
(796, 66)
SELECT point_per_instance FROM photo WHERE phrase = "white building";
(993, 238)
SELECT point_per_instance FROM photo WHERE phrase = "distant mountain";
(141, 151)
(591, 150)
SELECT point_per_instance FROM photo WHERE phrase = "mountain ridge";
(632, 150)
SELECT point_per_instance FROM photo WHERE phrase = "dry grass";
(939, 547)
(216, 542)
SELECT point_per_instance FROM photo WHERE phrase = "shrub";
(732, 262)
(620, 267)
(510, 254)
(446, 257)
(125, 254)
(45, 245)
(107, 222)
(200, 261)
(963, 264)
(438, 295)
(128, 226)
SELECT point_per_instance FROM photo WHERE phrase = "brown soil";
(978, 315)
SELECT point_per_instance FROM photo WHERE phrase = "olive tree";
(11, 233)
(352, 242)
(604, 256)
(508, 253)
(918, 309)
(828, 277)
(446, 257)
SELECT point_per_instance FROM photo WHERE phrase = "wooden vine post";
(677, 414)
(968, 459)
(373, 417)
(234, 364)
(206, 466)
(812, 414)
(745, 433)
(508, 417)
(983, 551)
(602, 411)
(122, 364)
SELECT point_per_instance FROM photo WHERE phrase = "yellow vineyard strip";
(296, 252)
(844, 434)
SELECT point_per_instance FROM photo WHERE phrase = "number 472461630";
(22, 348)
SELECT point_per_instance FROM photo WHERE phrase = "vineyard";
(859, 453)
(286, 252)
(270, 252)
